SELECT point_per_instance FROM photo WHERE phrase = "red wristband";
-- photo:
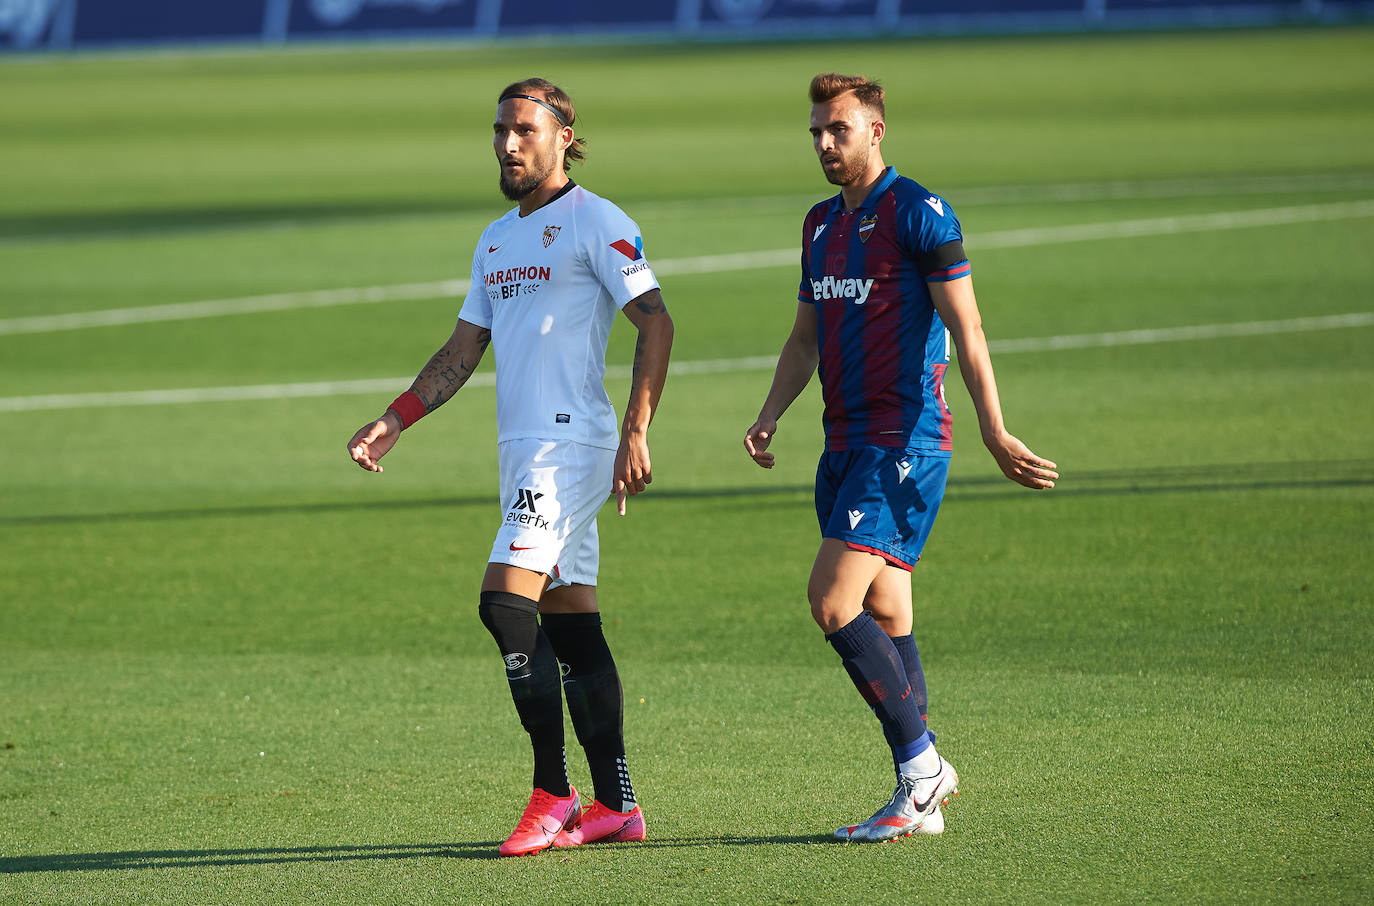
(408, 408)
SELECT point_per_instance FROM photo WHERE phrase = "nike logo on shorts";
(514, 548)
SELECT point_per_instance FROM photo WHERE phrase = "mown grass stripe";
(705, 366)
(700, 264)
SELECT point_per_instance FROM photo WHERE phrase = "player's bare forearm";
(796, 364)
(449, 368)
(653, 348)
(975, 367)
(633, 470)
(958, 309)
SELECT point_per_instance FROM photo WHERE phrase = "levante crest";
(550, 234)
(866, 227)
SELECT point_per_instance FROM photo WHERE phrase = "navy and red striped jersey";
(883, 347)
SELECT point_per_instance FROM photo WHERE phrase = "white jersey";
(548, 287)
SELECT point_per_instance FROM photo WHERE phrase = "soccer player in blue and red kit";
(885, 284)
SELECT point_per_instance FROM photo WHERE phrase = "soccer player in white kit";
(547, 279)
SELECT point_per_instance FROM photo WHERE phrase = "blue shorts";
(880, 500)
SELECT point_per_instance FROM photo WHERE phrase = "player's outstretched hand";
(757, 439)
(632, 473)
(1021, 465)
(373, 441)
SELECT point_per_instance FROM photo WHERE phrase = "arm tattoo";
(442, 378)
(651, 306)
(639, 360)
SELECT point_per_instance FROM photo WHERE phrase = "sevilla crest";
(550, 234)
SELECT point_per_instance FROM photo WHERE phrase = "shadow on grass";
(1211, 478)
(205, 858)
(155, 222)
(213, 858)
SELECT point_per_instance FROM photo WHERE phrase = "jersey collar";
(888, 178)
(567, 187)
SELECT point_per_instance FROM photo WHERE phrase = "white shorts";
(551, 492)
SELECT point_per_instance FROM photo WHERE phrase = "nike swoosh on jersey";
(492, 249)
(514, 548)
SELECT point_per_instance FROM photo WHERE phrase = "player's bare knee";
(818, 613)
(816, 595)
(829, 613)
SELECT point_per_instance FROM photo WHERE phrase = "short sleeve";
(814, 218)
(615, 253)
(936, 240)
(477, 306)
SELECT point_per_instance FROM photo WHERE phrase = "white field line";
(1184, 223)
(1114, 190)
(181, 311)
(1110, 190)
(382, 386)
(1177, 334)
(703, 264)
(1187, 187)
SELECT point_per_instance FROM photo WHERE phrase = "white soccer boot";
(913, 808)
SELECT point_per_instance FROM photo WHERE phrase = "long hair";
(559, 100)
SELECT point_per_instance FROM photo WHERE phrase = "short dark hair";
(829, 85)
(559, 100)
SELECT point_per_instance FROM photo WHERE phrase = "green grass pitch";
(236, 669)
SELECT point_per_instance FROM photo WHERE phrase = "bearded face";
(845, 135)
(522, 173)
(844, 166)
(528, 147)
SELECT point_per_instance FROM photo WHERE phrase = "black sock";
(595, 701)
(877, 671)
(532, 671)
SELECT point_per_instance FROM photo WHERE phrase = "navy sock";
(596, 703)
(878, 673)
(532, 671)
(911, 661)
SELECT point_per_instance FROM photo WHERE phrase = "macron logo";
(903, 470)
(936, 205)
(816, 235)
(854, 517)
(841, 288)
